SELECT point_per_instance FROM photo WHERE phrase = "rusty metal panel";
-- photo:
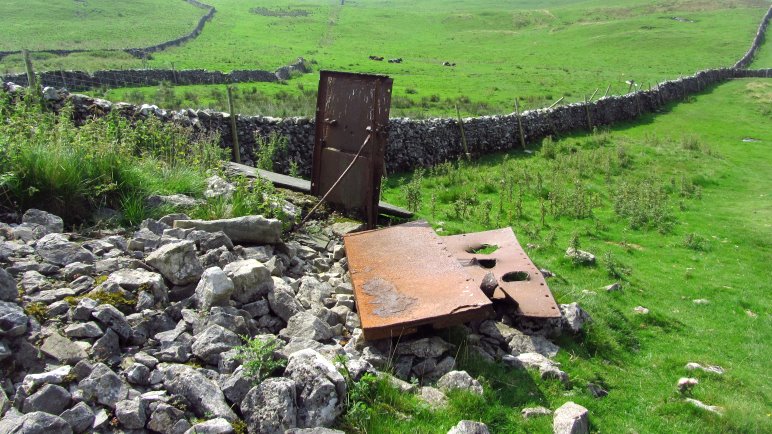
(518, 278)
(404, 277)
(349, 108)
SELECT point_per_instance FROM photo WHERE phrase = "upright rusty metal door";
(350, 107)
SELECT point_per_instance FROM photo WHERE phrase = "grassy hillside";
(696, 191)
(93, 24)
(535, 51)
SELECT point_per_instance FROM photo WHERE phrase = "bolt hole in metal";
(515, 276)
(484, 249)
(486, 263)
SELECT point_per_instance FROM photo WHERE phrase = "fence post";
(519, 125)
(236, 149)
(31, 79)
(606, 93)
(587, 110)
(463, 135)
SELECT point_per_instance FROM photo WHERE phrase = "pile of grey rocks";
(137, 332)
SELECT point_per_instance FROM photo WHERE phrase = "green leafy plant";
(258, 357)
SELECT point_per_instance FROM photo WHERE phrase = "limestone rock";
(114, 319)
(321, 389)
(532, 412)
(58, 250)
(80, 417)
(306, 325)
(212, 342)
(574, 317)
(37, 422)
(454, 380)
(103, 386)
(251, 280)
(177, 262)
(131, 413)
(214, 288)
(213, 426)
(203, 394)
(50, 398)
(522, 343)
(248, 229)
(13, 320)
(8, 291)
(63, 349)
(51, 223)
(469, 427)
(571, 418)
(271, 407)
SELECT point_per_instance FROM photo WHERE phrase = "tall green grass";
(47, 161)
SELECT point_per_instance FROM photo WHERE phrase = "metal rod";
(593, 94)
(556, 102)
(340, 178)
(463, 136)
(235, 149)
(520, 125)
(607, 89)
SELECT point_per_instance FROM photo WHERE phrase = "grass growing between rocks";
(639, 197)
(75, 171)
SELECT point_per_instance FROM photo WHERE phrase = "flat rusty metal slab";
(519, 279)
(404, 277)
(350, 109)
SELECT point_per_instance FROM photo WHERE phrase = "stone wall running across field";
(144, 51)
(747, 59)
(81, 81)
(414, 143)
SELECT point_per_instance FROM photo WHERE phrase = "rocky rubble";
(137, 332)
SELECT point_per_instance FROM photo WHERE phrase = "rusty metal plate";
(404, 277)
(519, 279)
(349, 108)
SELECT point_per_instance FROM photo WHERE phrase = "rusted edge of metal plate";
(405, 277)
(519, 279)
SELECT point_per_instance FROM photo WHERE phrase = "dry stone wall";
(142, 52)
(746, 60)
(414, 143)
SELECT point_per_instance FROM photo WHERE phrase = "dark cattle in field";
(378, 58)
(397, 60)
(448, 64)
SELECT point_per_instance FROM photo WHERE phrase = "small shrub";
(259, 361)
(695, 242)
(549, 149)
(268, 149)
(412, 191)
(613, 267)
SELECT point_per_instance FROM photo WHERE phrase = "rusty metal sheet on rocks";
(518, 278)
(404, 277)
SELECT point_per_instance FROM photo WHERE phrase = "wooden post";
(587, 110)
(519, 125)
(31, 79)
(174, 74)
(463, 135)
(607, 89)
(64, 82)
(236, 149)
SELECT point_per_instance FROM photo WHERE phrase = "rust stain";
(405, 277)
(351, 107)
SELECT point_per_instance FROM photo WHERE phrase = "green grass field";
(535, 51)
(93, 24)
(709, 237)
